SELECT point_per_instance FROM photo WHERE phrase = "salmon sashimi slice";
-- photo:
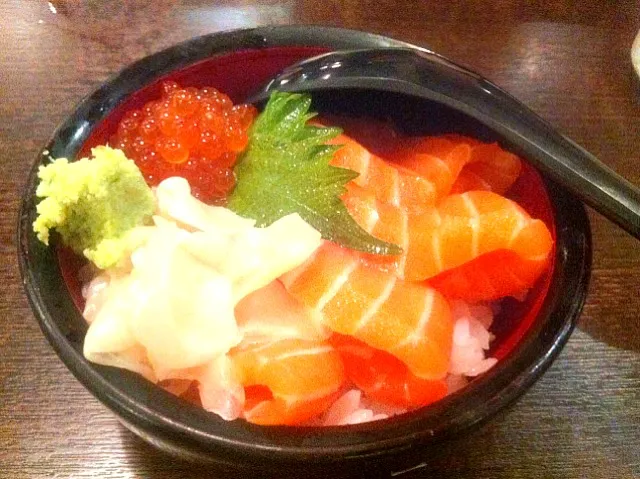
(270, 314)
(289, 381)
(439, 160)
(489, 277)
(463, 227)
(453, 163)
(262, 408)
(469, 181)
(411, 321)
(480, 222)
(490, 168)
(456, 163)
(272, 320)
(395, 225)
(390, 183)
(384, 378)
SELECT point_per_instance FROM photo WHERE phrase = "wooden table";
(569, 61)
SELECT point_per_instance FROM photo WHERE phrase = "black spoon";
(426, 75)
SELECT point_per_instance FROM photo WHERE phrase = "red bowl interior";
(240, 73)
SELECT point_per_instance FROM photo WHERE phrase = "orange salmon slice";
(391, 184)
(456, 163)
(462, 228)
(408, 320)
(303, 378)
(384, 378)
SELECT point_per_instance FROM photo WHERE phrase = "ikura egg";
(195, 133)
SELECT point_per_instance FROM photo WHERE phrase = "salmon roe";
(190, 132)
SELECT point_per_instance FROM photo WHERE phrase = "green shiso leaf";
(285, 169)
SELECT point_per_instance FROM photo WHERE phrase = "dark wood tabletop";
(569, 61)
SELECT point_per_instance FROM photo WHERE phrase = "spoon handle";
(429, 76)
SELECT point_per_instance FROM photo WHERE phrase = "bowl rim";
(511, 377)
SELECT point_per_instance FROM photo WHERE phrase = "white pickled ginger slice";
(109, 331)
(109, 340)
(256, 256)
(186, 315)
(267, 253)
(176, 202)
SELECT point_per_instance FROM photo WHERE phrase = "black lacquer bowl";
(529, 334)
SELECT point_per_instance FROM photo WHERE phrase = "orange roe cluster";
(195, 133)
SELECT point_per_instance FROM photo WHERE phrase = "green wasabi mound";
(94, 204)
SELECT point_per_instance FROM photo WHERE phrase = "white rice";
(471, 339)
(353, 408)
